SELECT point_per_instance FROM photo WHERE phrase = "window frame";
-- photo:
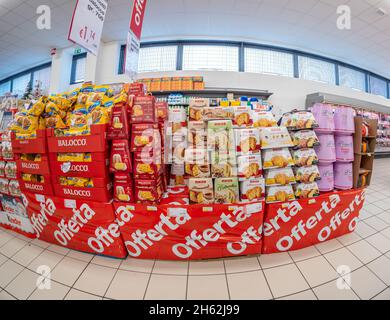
(75, 59)
(23, 73)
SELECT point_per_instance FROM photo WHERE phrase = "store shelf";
(321, 97)
(217, 93)
(364, 171)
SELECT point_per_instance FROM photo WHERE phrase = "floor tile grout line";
(341, 277)
(109, 285)
(150, 277)
(77, 279)
(296, 265)
(388, 287)
(266, 280)
(226, 279)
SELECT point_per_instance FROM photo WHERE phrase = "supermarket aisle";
(307, 274)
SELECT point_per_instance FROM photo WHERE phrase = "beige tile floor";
(307, 274)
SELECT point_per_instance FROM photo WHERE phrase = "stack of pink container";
(336, 154)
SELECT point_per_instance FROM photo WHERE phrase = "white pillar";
(61, 68)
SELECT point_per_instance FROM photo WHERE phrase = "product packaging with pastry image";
(305, 157)
(197, 135)
(147, 164)
(306, 190)
(247, 141)
(263, 119)
(252, 190)
(120, 157)
(226, 190)
(275, 137)
(249, 167)
(143, 110)
(145, 135)
(197, 108)
(280, 194)
(305, 139)
(279, 177)
(277, 158)
(299, 120)
(243, 117)
(118, 127)
(307, 174)
(201, 191)
(197, 164)
(123, 187)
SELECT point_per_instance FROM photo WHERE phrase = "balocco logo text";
(34, 187)
(79, 168)
(78, 193)
(72, 143)
(26, 165)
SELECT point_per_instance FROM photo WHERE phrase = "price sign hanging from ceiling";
(87, 24)
(134, 38)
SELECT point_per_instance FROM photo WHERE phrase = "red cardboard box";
(148, 191)
(76, 224)
(34, 167)
(95, 142)
(145, 136)
(136, 89)
(45, 188)
(123, 188)
(98, 167)
(37, 145)
(147, 164)
(143, 110)
(100, 192)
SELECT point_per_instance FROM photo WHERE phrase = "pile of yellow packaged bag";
(71, 114)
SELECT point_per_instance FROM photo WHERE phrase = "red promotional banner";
(299, 224)
(75, 224)
(137, 17)
(191, 232)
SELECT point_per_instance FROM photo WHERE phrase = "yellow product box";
(166, 84)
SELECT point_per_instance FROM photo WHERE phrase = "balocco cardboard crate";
(34, 167)
(37, 145)
(95, 142)
(98, 167)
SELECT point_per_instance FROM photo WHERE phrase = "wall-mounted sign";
(87, 24)
(134, 38)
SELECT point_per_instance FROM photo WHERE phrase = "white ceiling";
(308, 25)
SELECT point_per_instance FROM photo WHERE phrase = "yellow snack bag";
(55, 122)
(100, 115)
(37, 108)
(25, 123)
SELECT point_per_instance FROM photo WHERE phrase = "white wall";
(289, 93)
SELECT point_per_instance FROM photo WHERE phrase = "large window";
(152, 59)
(42, 77)
(316, 70)
(19, 84)
(210, 57)
(378, 86)
(352, 78)
(78, 68)
(269, 62)
(5, 88)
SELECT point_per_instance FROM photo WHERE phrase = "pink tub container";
(344, 148)
(343, 176)
(326, 184)
(344, 120)
(326, 151)
(323, 114)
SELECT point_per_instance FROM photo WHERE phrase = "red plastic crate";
(98, 167)
(37, 145)
(34, 167)
(95, 142)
